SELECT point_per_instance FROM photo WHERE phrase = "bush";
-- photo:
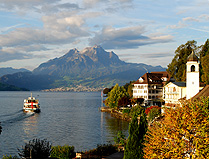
(148, 109)
(9, 157)
(154, 112)
(120, 138)
(137, 110)
(63, 152)
(103, 150)
(126, 111)
(36, 148)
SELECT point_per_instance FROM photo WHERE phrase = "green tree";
(36, 149)
(204, 49)
(177, 67)
(63, 152)
(114, 95)
(204, 64)
(137, 131)
(205, 69)
(120, 138)
(129, 87)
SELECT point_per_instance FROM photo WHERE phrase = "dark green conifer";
(137, 130)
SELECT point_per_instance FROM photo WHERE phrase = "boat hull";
(31, 110)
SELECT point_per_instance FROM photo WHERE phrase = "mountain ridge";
(92, 67)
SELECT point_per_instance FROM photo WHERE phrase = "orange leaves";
(183, 132)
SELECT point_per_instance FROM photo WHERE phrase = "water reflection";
(113, 125)
(30, 125)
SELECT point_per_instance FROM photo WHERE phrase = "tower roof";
(192, 57)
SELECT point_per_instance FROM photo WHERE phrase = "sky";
(138, 31)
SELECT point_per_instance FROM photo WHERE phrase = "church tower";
(192, 75)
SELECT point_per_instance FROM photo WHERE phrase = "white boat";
(31, 105)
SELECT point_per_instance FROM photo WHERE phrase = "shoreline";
(115, 113)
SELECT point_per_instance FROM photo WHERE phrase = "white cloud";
(124, 38)
(190, 19)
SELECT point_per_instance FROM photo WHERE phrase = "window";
(192, 68)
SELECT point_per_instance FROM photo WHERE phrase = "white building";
(174, 91)
(150, 87)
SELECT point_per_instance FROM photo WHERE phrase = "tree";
(204, 49)
(177, 68)
(205, 69)
(124, 101)
(204, 65)
(36, 149)
(183, 133)
(120, 138)
(63, 152)
(128, 87)
(153, 112)
(114, 95)
(134, 146)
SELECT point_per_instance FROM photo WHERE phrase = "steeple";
(192, 57)
(192, 79)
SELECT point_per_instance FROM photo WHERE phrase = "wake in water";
(14, 117)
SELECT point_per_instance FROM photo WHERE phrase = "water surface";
(70, 118)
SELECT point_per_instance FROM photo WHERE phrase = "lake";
(66, 118)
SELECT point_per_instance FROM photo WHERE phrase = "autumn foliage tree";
(183, 133)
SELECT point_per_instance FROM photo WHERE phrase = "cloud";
(20, 52)
(62, 28)
(178, 26)
(39, 6)
(111, 3)
(190, 19)
(126, 38)
(5, 29)
(9, 54)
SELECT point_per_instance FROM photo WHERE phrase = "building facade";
(150, 87)
(174, 91)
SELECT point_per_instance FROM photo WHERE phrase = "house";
(174, 91)
(150, 87)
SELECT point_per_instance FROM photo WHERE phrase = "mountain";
(92, 67)
(7, 87)
(10, 70)
(92, 61)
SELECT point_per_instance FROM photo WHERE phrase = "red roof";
(153, 78)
